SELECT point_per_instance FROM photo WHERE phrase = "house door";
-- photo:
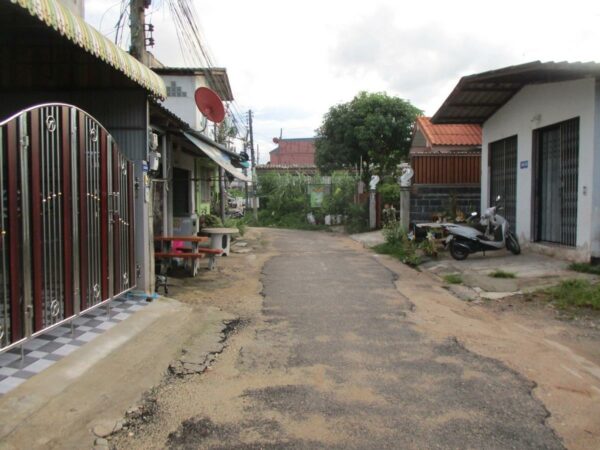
(557, 161)
(503, 177)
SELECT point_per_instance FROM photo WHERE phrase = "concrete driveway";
(531, 271)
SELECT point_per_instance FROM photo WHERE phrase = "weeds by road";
(453, 278)
(585, 268)
(575, 293)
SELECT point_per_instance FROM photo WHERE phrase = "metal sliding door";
(557, 165)
(503, 176)
(65, 204)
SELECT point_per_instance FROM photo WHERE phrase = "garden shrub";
(285, 202)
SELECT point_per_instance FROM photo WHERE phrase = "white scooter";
(493, 233)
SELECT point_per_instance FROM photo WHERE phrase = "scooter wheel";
(512, 244)
(458, 252)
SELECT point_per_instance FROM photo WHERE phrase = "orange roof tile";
(463, 134)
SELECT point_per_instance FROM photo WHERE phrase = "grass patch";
(585, 268)
(399, 250)
(453, 278)
(502, 274)
(576, 293)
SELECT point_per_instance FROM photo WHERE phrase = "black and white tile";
(43, 351)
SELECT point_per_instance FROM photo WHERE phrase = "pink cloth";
(177, 246)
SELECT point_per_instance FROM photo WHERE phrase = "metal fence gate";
(66, 212)
(556, 163)
(503, 177)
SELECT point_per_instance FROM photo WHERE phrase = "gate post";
(373, 202)
(144, 239)
(405, 181)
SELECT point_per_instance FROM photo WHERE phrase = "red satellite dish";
(210, 104)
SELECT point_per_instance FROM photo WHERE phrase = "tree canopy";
(373, 128)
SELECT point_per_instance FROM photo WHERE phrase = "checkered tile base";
(50, 347)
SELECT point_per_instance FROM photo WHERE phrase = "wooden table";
(220, 238)
(192, 254)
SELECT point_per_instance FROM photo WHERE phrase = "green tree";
(373, 128)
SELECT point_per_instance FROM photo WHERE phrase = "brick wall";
(428, 200)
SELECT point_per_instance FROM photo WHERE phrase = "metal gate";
(556, 172)
(66, 242)
(503, 177)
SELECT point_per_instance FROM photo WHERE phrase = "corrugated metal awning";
(477, 97)
(74, 28)
(218, 156)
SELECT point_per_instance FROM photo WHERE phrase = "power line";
(192, 41)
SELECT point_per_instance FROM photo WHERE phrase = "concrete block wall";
(429, 200)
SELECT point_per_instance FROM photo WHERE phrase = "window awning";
(75, 29)
(218, 156)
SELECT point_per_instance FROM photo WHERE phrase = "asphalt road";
(337, 363)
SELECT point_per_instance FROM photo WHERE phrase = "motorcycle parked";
(492, 233)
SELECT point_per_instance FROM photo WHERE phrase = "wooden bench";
(192, 254)
(199, 253)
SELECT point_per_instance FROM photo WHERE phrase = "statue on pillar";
(405, 181)
(374, 182)
(407, 173)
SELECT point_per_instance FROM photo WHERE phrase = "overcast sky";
(290, 61)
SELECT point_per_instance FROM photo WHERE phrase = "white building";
(540, 150)
(182, 83)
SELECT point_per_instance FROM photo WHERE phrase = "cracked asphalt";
(332, 360)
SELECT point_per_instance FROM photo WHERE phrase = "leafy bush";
(285, 201)
(429, 246)
(398, 244)
(210, 220)
(390, 193)
(341, 198)
(394, 233)
(357, 218)
(576, 293)
(240, 224)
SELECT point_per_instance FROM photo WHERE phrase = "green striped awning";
(74, 28)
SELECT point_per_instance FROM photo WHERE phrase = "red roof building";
(430, 138)
(293, 152)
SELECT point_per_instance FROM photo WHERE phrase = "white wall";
(537, 106)
(185, 107)
(182, 107)
(596, 188)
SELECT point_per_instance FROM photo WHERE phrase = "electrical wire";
(194, 51)
(191, 39)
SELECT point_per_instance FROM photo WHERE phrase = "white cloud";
(291, 61)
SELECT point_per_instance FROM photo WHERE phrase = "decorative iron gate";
(66, 242)
(503, 177)
(556, 153)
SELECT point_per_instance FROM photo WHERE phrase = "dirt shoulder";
(561, 356)
(234, 288)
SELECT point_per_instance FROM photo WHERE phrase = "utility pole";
(252, 160)
(137, 28)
